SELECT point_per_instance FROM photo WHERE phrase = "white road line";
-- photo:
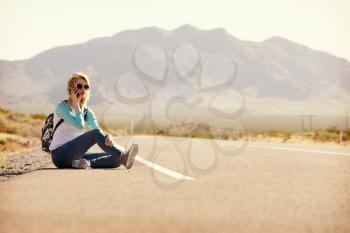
(159, 168)
(301, 150)
(163, 169)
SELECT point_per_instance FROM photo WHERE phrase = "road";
(255, 187)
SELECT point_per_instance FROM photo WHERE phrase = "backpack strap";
(60, 122)
(85, 113)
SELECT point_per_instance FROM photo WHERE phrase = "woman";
(70, 143)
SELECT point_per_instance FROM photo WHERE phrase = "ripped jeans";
(78, 147)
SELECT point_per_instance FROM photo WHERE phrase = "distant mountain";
(275, 75)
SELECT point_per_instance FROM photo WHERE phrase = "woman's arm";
(62, 110)
(91, 120)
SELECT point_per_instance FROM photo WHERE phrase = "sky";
(29, 27)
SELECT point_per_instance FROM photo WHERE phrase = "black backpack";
(48, 130)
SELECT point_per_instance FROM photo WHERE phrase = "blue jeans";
(77, 148)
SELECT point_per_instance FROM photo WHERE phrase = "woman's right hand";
(75, 99)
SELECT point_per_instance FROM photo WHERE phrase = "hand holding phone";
(75, 98)
(75, 91)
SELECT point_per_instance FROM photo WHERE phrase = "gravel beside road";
(23, 162)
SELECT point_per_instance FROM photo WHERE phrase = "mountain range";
(274, 76)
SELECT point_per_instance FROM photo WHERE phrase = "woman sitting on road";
(70, 143)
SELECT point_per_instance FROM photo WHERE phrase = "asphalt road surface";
(189, 185)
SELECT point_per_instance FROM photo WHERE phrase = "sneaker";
(80, 163)
(128, 157)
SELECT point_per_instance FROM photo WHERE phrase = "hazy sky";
(31, 26)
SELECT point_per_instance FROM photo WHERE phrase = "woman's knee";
(97, 131)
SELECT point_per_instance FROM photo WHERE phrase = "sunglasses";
(80, 86)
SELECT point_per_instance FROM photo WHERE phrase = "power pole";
(303, 119)
(302, 122)
(347, 121)
(310, 121)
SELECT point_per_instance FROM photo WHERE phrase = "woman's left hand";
(108, 141)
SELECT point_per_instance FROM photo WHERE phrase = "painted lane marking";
(159, 168)
(163, 169)
(301, 150)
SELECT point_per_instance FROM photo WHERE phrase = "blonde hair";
(72, 82)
